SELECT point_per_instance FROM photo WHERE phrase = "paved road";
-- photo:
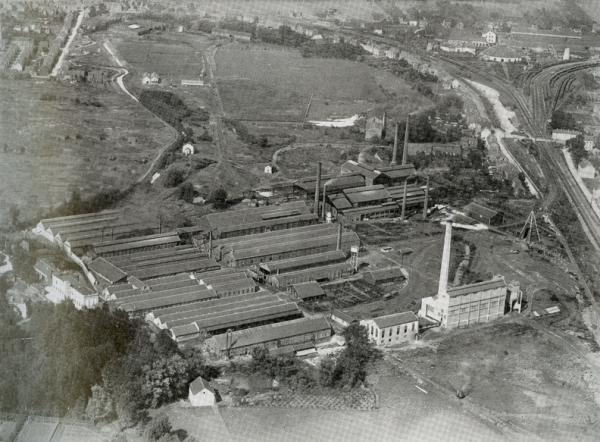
(65, 51)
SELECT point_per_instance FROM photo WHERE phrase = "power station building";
(468, 304)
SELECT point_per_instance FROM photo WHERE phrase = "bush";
(219, 199)
(187, 192)
(158, 427)
(174, 178)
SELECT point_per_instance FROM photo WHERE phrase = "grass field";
(56, 146)
(269, 83)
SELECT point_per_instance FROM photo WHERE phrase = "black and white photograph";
(299, 220)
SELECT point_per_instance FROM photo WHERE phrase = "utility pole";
(426, 199)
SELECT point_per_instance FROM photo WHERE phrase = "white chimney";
(443, 285)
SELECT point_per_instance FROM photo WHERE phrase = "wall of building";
(391, 335)
(477, 307)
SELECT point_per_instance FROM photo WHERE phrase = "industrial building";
(484, 214)
(385, 276)
(136, 244)
(324, 273)
(135, 287)
(306, 187)
(392, 329)
(271, 336)
(267, 270)
(307, 291)
(286, 244)
(468, 304)
(229, 318)
(387, 176)
(65, 286)
(230, 224)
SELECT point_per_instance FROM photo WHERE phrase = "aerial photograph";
(299, 220)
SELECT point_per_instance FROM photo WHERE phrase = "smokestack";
(210, 244)
(384, 121)
(405, 150)
(426, 199)
(323, 208)
(443, 284)
(404, 202)
(339, 238)
(395, 151)
(318, 189)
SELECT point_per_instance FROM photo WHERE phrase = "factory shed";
(257, 220)
(136, 244)
(270, 336)
(206, 264)
(325, 273)
(233, 288)
(308, 291)
(192, 312)
(133, 287)
(301, 262)
(307, 186)
(386, 175)
(484, 214)
(140, 308)
(49, 227)
(106, 271)
(145, 295)
(160, 315)
(238, 320)
(342, 318)
(384, 276)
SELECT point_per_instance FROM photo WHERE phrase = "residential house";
(590, 142)
(188, 149)
(66, 287)
(201, 394)
(585, 169)
(490, 36)
(392, 329)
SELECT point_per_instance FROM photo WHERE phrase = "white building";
(590, 142)
(464, 305)
(490, 37)
(392, 329)
(150, 78)
(201, 394)
(502, 54)
(270, 169)
(66, 287)
(585, 169)
(188, 149)
(564, 135)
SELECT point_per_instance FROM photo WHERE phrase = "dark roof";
(74, 219)
(477, 287)
(200, 384)
(192, 266)
(387, 274)
(272, 332)
(106, 270)
(136, 243)
(245, 216)
(77, 285)
(343, 316)
(365, 194)
(398, 171)
(480, 210)
(275, 221)
(269, 236)
(395, 319)
(44, 268)
(302, 261)
(169, 300)
(364, 169)
(309, 289)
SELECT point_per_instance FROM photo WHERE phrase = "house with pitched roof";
(392, 329)
(201, 394)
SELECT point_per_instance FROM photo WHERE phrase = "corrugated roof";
(314, 270)
(386, 274)
(170, 300)
(395, 319)
(192, 266)
(246, 216)
(343, 316)
(302, 261)
(477, 287)
(359, 195)
(106, 270)
(272, 332)
(73, 219)
(135, 243)
(269, 222)
(270, 235)
(308, 290)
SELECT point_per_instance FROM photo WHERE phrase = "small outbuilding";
(270, 169)
(342, 318)
(484, 214)
(188, 149)
(384, 276)
(202, 394)
(308, 291)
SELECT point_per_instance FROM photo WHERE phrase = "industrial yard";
(244, 222)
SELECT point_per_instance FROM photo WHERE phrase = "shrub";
(174, 178)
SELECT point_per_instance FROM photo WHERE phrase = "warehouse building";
(392, 329)
(234, 223)
(272, 336)
(323, 238)
(50, 227)
(307, 291)
(306, 187)
(107, 272)
(324, 273)
(387, 176)
(228, 282)
(135, 287)
(136, 244)
(212, 324)
(140, 305)
(385, 276)
(484, 214)
(267, 270)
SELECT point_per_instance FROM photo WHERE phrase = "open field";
(57, 145)
(519, 374)
(266, 83)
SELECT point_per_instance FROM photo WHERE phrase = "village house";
(188, 149)
(150, 78)
(201, 394)
(64, 286)
(590, 142)
(490, 37)
(392, 329)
